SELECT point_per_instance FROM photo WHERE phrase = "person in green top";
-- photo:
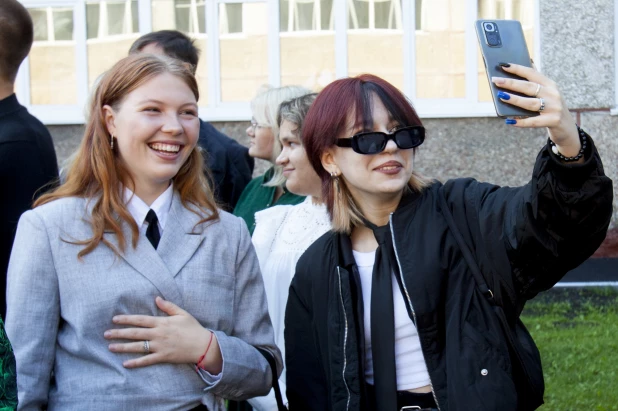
(268, 189)
(8, 379)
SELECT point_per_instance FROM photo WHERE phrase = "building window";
(105, 18)
(305, 15)
(427, 48)
(190, 16)
(52, 24)
(307, 43)
(111, 27)
(375, 14)
(52, 57)
(243, 50)
(440, 50)
(375, 39)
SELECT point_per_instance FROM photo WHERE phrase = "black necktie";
(383, 321)
(152, 232)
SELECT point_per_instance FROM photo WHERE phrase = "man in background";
(229, 162)
(28, 162)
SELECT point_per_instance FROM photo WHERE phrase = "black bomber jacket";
(524, 240)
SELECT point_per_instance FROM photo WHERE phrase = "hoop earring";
(112, 141)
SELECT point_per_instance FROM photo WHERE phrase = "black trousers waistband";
(404, 398)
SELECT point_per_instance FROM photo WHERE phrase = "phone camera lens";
(489, 27)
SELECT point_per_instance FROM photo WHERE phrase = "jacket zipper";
(345, 339)
(390, 219)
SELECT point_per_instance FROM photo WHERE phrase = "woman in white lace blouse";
(283, 233)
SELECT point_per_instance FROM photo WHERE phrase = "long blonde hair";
(96, 172)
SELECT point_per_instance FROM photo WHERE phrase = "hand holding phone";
(503, 42)
(527, 97)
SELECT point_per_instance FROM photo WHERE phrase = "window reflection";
(106, 18)
(188, 16)
(52, 57)
(52, 23)
(374, 14)
(231, 18)
(306, 15)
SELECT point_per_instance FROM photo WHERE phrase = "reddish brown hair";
(327, 120)
(96, 172)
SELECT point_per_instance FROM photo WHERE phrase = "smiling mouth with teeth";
(165, 148)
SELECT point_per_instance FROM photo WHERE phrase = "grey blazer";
(59, 308)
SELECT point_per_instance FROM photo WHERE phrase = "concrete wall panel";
(602, 128)
(577, 47)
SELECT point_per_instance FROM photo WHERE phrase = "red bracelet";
(198, 366)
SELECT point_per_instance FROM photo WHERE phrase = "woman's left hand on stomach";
(178, 339)
(555, 114)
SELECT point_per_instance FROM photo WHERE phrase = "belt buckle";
(409, 407)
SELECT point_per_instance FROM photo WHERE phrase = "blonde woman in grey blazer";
(109, 309)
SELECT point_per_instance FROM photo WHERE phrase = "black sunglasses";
(374, 142)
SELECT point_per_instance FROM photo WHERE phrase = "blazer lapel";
(145, 259)
(181, 238)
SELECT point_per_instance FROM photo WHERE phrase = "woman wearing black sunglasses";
(389, 311)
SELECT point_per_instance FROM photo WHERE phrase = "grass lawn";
(576, 331)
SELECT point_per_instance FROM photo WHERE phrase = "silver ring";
(146, 347)
(538, 88)
(542, 104)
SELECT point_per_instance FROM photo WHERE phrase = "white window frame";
(216, 110)
(60, 114)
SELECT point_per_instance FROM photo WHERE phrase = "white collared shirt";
(161, 206)
(138, 208)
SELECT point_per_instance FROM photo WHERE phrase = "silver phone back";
(512, 50)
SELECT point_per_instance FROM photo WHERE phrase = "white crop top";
(410, 363)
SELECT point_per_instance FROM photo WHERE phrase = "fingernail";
(503, 95)
(498, 80)
(507, 65)
(510, 121)
(115, 319)
(107, 334)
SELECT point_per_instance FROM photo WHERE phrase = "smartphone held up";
(503, 41)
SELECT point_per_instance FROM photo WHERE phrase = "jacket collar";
(179, 242)
(182, 235)
(9, 105)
